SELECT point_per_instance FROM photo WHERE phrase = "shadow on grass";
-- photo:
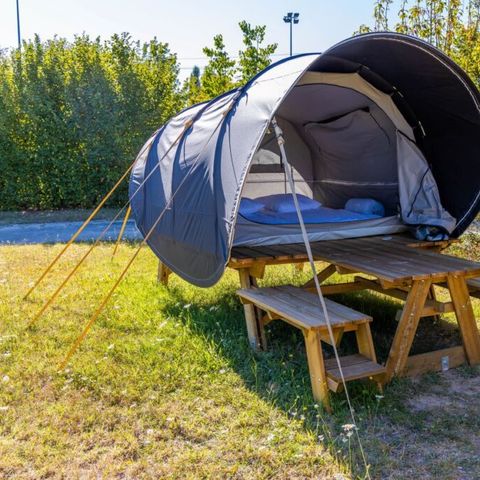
(280, 374)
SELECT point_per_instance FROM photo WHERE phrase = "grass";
(166, 386)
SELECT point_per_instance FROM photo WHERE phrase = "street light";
(291, 18)
(18, 27)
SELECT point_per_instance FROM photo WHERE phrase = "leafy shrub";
(73, 115)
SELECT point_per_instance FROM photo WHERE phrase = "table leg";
(366, 348)
(163, 273)
(255, 331)
(407, 326)
(465, 317)
(316, 367)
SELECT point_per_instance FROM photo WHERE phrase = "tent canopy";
(382, 116)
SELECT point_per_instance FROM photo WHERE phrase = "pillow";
(247, 205)
(283, 203)
(367, 206)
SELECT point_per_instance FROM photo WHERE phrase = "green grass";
(166, 386)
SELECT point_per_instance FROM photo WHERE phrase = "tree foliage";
(218, 76)
(253, 58)
(451, 25)
(74, 115)
(222, 73)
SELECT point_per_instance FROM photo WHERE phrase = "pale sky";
(186, 25)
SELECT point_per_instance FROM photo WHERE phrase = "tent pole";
(78, 232)
(188, 123)
(97, 312)
(120, 235)
(281, 144)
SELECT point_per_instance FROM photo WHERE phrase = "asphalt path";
(61, 232)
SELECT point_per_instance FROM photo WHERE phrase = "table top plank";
(389, 258)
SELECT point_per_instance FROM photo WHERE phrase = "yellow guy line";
(79, 231)
(97, 312)
(120, 235)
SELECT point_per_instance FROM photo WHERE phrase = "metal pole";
(18, 27)
(291, 30)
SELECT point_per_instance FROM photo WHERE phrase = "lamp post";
(18, 27)
(291, 18)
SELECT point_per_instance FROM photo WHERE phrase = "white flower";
(187, 306)
(5, 379)
(348, 427)
(4, 409)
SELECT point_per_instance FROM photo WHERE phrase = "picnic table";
(398, 266)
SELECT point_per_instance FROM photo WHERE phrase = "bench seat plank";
(300, 308)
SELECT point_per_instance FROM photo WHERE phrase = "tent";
(382, 134)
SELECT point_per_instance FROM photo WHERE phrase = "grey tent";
(382, 134)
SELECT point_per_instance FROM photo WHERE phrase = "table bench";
(397, 266)
(303, 310)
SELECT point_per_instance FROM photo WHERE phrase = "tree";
(218, 75)
(73, 115)
(192, 87)
(253, 58)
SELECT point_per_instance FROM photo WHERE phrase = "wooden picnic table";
(398, 266)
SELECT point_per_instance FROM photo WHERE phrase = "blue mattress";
(316, 216)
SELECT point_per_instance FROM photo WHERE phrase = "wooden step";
(354, 367)
(300, 308)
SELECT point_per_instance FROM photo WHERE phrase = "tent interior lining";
(345, 140)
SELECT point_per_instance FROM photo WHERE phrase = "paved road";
(54, 232)
(29, 233)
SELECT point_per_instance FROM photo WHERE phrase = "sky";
(186, 25)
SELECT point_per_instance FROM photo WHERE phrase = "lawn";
(166, 386)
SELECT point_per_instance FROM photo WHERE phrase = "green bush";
(73, 115)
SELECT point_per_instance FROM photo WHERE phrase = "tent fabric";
(200, 164)
(428, 86)
(206, 171)
(353, 81)
(419, 195)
